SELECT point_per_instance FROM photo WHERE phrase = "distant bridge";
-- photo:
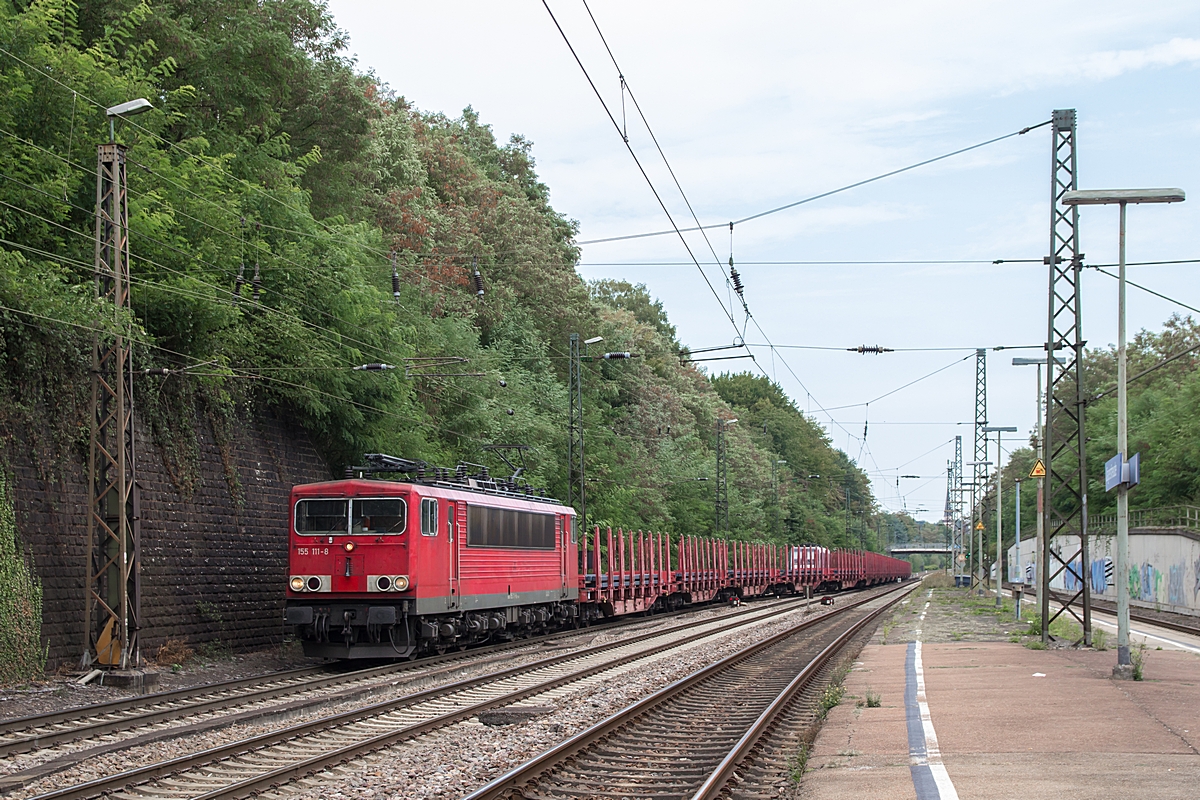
(920, 549)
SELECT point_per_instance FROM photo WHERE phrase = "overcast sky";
(757, 105)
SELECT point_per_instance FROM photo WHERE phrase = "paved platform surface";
(1009, 722)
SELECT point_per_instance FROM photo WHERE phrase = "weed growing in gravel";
(938, 580)
(873, 698)
(173, 652)
(1099, 639)
(1138, 656)
(1035, 644)
(798, 763)
(832, 696)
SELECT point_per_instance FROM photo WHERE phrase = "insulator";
(256, 284)
(349, 473)
(737, 279)
(476, 277)
(395, 279)
(613, 356)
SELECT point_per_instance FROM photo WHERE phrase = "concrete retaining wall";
(213, 564)
(1164, 567)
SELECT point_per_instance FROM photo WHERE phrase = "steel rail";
(1137, 614)
(113, 716)
(715, 783)
(1141, 616)
(524, 773)
(16, 724)
(152, 772)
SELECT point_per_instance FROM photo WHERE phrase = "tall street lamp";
(1121, 197)
(775, 464)
(999, 508)
(721, 495)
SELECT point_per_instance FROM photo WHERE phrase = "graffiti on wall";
(1175, 584)
(1196, 588)
(1072, 577)
(1102, 575)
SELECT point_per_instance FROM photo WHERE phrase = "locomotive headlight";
(383, 583)
(314, 583)
(401, 583)
(349, 547)
(297, 583)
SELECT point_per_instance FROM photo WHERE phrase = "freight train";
(431, 559)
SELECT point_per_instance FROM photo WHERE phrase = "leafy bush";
(21, 655)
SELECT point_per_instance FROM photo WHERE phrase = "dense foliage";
(1164, 428)
(270, 154)
(21, 654)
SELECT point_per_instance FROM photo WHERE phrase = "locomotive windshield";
(321, 516)
(362, 516)
(379, 516)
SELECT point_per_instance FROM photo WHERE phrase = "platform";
(1004, 721)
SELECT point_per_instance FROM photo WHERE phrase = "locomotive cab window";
(321, 517)
(429, 517)
(379, 516)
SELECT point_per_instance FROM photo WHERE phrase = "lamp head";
(1107, 197)
(129, 109)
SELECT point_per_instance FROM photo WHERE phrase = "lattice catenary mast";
(978, 471)
(112, 605)
(1064, 508)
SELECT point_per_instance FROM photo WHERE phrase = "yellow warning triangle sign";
(1039, 470)
(979, 525)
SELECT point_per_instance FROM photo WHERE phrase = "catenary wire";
(828, 193)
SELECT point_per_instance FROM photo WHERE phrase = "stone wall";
(213, 563)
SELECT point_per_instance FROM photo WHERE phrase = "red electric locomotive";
(391, 569)
(399, 568)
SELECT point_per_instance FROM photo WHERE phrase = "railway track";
(1162, 619)
(695, 736)
(256, 763)
(228, 702)
(1175, 622)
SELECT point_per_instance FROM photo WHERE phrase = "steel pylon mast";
(112, 604)
(957, 484)
(576, 493)
(979, 472)
(1065, 508)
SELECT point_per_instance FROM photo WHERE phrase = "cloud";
(1112, 63)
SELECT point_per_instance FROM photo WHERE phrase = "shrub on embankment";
(21, 654)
